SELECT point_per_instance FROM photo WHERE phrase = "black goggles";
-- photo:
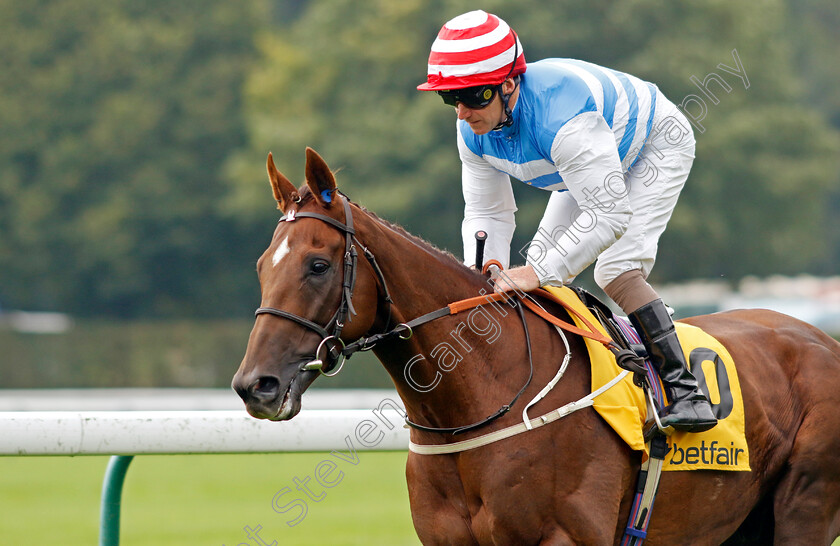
(472, 97)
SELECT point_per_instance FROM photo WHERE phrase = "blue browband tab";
(635, 532)
(326, 195)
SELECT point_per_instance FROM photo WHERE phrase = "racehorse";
(571, 481)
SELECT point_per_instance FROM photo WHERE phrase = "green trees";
(342, 79)
(766, 162)
(116, 119)
(134, 135)
(813, 34)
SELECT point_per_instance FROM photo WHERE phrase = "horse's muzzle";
(269, 397)
(260, 395)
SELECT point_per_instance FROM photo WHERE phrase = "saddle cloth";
(623, 407)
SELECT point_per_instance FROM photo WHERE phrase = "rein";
(336, 348)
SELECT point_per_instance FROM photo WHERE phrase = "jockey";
(611, 149)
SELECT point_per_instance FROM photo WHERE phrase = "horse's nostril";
(266, 387)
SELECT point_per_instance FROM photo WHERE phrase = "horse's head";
(314, 293)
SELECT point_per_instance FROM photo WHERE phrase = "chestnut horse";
(571, 481)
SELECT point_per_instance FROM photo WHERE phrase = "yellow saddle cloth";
(722, 448)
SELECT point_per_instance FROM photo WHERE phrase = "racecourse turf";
(209, 500)
(185, 500)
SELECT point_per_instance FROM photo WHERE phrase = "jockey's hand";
(523, 278)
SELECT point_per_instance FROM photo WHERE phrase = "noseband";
(331, 340)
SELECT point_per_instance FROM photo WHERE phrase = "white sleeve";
(586, 156)
(488, 206)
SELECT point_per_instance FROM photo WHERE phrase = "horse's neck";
(453, 369)
(422, 276)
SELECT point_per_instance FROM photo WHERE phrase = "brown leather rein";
(591, 333)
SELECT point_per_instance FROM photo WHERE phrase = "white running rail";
(162, 432)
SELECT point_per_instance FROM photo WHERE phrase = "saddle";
(709, 361)
(645, 375)
(616, 327)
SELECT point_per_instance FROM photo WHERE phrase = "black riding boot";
(689, 410)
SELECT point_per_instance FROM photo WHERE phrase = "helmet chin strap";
(508, 121)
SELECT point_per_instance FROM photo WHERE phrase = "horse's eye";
(319, 267)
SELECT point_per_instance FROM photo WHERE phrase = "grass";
(210, 499)
(180, 500)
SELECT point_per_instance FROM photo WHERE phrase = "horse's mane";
(444, 255)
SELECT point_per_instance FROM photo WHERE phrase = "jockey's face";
(483, 120)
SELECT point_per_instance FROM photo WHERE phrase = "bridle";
(331, 340)
(336, 348)
(331, 333)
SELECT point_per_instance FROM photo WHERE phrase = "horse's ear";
(319, 178)
(284, 191)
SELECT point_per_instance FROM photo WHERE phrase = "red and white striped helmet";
(476, 48)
